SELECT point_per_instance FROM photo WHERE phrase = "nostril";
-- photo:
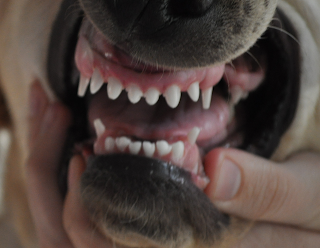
(190, 8)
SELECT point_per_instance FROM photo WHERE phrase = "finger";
(77, 222)
(38, 103)
(266, 235)
(251, 187)
(42, 166)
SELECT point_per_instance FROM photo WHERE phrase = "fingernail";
(229, 180)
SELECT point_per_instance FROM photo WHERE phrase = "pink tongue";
(159, 121)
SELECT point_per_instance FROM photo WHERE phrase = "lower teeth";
(159, 148)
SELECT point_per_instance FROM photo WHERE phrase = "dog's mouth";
(128, 110)
(172, 114)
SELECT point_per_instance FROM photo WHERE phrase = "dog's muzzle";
(153, 87)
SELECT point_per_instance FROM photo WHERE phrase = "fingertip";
(211, 161)
(224, 174)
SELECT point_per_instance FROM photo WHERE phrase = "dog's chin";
(145, 128)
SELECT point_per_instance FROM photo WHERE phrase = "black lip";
(270, 109)
(153, 185)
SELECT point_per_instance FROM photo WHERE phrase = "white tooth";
(194, 91)
(177, 150)
(122, 143)
(163, 147)
(134, 93)
(193, 135)
(195, 168)
(135, 147)
(236, 94)
(100, 128)
(109, 144)
(83, 85)
(96, 81)
(152, 96)
(172, 96)
(206, 98)
(148, 148)
(114, 88)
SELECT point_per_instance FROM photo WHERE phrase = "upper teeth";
(206, 98)
(134, 93)
(194, 91)
(114, 88)
(237, 93)
(152, 96)
(172, 94)
(96, 81)
(83, 85)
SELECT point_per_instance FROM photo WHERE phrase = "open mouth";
(173, 114)
(127, 106)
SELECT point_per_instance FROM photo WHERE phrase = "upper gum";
(161, 81)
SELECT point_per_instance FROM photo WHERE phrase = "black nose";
(190, 8)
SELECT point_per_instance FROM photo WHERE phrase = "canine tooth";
(109, 144)
(194, 91)
(96, 81)
(163, 147)
(148, 148)
(172, 96)
(135, 147)
(122, 143)
(193, 135)
(99, 127)
(134, 93)
(237, 93)
(206, 98)
(83, 85)
(114, 88)
(152, 96)
(177, 150)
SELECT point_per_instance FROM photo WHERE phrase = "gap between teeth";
(172, 94)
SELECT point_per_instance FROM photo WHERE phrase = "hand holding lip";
(58, 223)
(282, 193)
(254, 188)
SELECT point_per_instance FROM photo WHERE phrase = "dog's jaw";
(270, 143)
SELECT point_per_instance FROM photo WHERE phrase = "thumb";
(251, 187)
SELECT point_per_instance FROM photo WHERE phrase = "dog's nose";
(190, 8)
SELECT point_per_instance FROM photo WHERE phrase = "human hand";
(59, 223)
(283, 197)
